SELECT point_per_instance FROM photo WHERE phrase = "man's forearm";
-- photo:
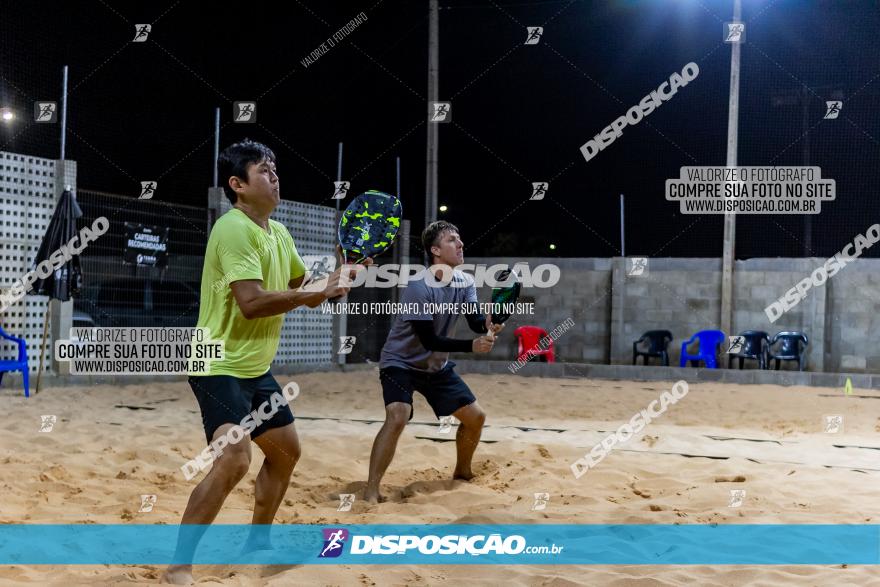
(272, 303)
(424, 330)
(477, 323)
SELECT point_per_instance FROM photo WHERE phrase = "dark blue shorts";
(225, 399)
(444, 390)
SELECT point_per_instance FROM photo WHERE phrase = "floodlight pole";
(64, 113)
(216, 142)
(433, 96)
(729, 217)
(340, 320)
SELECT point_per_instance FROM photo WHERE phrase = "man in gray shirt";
(416, 355)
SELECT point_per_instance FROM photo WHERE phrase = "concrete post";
(732, 145)
(216, 196)
(815, 324)
(617, 354)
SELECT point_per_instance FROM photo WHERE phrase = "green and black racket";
(369, 226)
(505, 295)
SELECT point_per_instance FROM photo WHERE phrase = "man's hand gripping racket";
(504, 296)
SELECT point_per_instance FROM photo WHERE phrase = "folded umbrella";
(66, 281)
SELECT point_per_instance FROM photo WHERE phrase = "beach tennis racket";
(504, 295)
(369, 226)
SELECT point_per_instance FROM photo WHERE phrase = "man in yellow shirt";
(251, 277)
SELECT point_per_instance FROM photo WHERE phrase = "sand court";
(110, 445)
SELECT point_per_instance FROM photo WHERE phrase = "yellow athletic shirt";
(239, 249)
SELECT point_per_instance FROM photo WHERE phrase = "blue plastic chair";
(20, 364)
(707, 349)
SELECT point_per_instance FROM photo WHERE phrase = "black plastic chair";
(756, 345)
(657, 341)
(790, 348)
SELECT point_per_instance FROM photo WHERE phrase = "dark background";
(140, 111)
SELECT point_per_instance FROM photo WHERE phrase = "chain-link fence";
(119, 291)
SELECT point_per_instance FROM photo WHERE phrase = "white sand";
(99, 459)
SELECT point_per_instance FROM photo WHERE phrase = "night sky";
(520, 112)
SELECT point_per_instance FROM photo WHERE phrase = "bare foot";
(256, 546)
(178, 575)
(463, 475)
(372, 496)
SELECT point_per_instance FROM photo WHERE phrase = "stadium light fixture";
(6, 114)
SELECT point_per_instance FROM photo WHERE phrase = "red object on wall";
(528, 339)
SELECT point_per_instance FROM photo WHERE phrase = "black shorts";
(444, 390)
(225, 399)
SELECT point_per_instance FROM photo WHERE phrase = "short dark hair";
(432, 233)
(234, 161)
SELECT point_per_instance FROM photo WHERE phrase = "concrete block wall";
(679, 295)
(758, 282)
(611, 309)
(582, 294)
(29, 189)
(852, 318)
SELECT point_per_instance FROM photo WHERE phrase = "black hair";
(432, 232)
(234, 161)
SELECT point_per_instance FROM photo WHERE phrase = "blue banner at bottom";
(541, 544)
